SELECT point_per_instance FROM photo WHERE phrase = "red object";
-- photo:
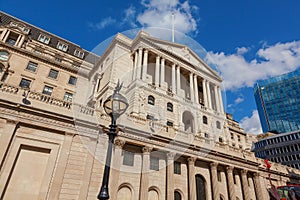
(267, 164)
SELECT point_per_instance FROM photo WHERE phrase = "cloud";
(130, 17)
(251, 124)
(270, 61)
(103, 23)
(238, 100)
(158, 13)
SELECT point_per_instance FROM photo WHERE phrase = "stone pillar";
(191, 87)
(115, 169)
(245, 184)
(135, 65)
(145, 173)
(170, 176)
(209, 103)
(257, 185)
(205, 102)
(162, 72)
(220, 100)
(178, 79)
(173, 79)
(6, 36)
(157, 64)
(145, 64)
(214, 180)
(217, 101)
(229, 170)
(196, 89)
(192, 180)
(139, 66)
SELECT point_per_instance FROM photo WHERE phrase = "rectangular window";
(44, 39)
(12, 38)
(62, 46)
(25, 83)
(128, 158)
(53, 74)
(47, 90)
(177, 167)
(169, 123)
(68, 96)
(239, 138)
(31, 66)
(72, 80)
(154, 163)
(78, 53)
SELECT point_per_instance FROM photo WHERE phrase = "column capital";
(146, 50)
(171, 155)
(191, 160)
(229, 169)
(256, 174)
(214, 164)
(146, 149)
(244, 172)
(119, 143)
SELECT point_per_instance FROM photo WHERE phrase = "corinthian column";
(205, 102)
(209, 103)
(139, 66)
(229, 170)
(192, 180)
(191, 88)
(157, 64)
(145, 173)
(145, 64)
(178, 79)
(245, 184)
(173, 79)
(170, 176)
(135, 65)
(257, 184)
(196, 89)
(214, 180)
(162, 72)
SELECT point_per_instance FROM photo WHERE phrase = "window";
(62, 46)
(72, 80)
(128, 158)
(170, 107)
(68, 96)
(78, 53)
(12, 38)
(151, 100)
(4, 55)
(154, 163)
(169, 123)
(218, 124)
(177, 167)
(239, 138)
(220, 139)
(25, 83)
(206, 135)
(44, 39)
(53, 74)
(219, 176)
(204, 119)
(31, 66)
(58, 59)
(177, 195)
(47, 90)
(231, 136)
(1, 70)
(150, 117)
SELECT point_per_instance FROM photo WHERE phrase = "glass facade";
(278, 103)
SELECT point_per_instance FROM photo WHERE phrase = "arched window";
(200, 187)
(204, 119)
(218, 124)
(4, 55)
(151, 100)
(170, 107)
(177, 195)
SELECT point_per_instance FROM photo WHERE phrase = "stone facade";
(174, 142)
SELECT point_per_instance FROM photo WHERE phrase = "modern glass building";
(278, 103)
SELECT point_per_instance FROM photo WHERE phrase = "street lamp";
(115, 105)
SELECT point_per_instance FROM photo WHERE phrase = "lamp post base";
(103, 195)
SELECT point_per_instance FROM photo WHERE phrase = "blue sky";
(248, 40)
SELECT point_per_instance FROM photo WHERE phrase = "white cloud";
(242, 50)
(251, 124)
(130, 17)
(103, 23)
(159, 14)
(238, 100)
(271, 61)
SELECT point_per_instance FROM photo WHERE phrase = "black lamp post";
(115, 105)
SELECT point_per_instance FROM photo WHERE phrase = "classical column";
(205, 102)
(170, 176)
(139, 66)
(214, 180)
(245, 184)
(162, 72)
(6, 36)
(229, 170)
(135, 65)
(115, 169)
(178, 79)
(220, 100)
(209, 103)
(217, 101)
(145, 64)
(191, 87)
(173, 79)
(196, 89)
(192, 180)
(157, 64)
(145, 173)
(257, 185)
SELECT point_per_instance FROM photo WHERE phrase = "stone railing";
(49, 100)
(8, 88)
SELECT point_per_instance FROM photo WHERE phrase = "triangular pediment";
(179, 51)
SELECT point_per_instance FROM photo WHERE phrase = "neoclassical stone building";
(174, 142)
